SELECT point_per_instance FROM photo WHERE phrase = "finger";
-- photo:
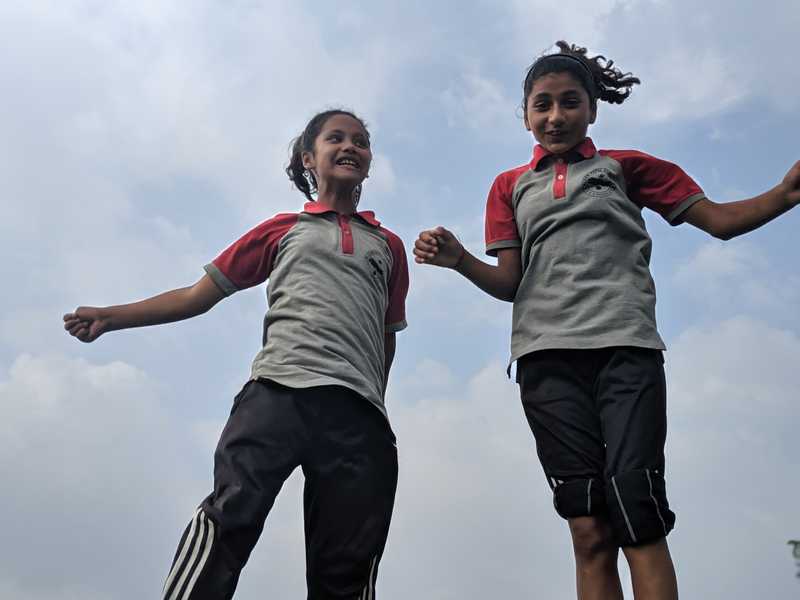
(425, 252)
(428, 236)
(425, 247)
(423, 256)
(76, 328)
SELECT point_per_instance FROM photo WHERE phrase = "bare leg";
(652, 572)
(595, 559)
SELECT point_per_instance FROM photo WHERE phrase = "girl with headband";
(573, 256)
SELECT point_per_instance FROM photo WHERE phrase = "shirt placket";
(560, 179)
(346, 234)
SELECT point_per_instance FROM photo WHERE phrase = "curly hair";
(303, 178)
(598, 75)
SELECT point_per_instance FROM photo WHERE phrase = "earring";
(309, 177)
(356, 195)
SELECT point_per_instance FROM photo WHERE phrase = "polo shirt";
(337, 285)
(577, 219)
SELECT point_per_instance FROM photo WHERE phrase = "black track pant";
(348, 455)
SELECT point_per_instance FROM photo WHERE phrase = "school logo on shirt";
(598, 183)
(376, 263)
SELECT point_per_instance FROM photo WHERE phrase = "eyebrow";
(342, 132)
(575, 91)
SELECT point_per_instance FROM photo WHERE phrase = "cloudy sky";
(140, 138)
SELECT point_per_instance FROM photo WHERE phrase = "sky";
(141, 138)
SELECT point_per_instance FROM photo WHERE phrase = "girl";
(337, 288)
(573, 256)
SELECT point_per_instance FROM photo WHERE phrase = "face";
(558, 112)
(341, 152)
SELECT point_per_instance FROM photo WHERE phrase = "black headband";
(544, 59)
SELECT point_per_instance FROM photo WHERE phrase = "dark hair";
(302, 177)
(598, 75)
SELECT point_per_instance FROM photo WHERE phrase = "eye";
(361, 141)
(334, 137)
(540, 105)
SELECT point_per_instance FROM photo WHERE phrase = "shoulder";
(393, 240)
(503, 185)
(509, 177)
(638, 162)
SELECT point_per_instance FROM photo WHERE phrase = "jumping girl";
(573, 256)
(336, 292)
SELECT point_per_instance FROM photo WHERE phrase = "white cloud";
(478, 102)
(738, 276)
(93, 476)
(733, 417)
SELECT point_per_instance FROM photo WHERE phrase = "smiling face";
(558, 112)
(341, 153)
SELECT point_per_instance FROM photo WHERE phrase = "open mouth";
(347, 161)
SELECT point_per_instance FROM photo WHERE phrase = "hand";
(791, 183)
(438, 247)
(87, 323)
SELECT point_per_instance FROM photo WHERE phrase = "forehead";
(344, 123)
(556, 84)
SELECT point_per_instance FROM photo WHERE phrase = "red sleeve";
(249, 260)
(398, 284)
(501, 227)
(657, 184)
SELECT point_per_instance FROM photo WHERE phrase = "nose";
(556, 115)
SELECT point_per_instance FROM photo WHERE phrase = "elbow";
(509, 293)
(722, 233)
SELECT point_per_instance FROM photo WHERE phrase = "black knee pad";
(638, 508)
(579, 498)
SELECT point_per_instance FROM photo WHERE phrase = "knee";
(592, 539)
(638, 507)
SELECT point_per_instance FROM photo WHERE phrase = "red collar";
(586, 149)
(314, 208)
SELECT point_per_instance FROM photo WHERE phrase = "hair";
(598, 75)
(303, 178)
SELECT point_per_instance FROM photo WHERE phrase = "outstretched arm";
(87, 323)
(441, 248)
(725, 221)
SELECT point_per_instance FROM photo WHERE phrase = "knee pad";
(638, 508)
(579, 498)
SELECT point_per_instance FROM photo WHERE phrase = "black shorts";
(349, 458)
(599, 419)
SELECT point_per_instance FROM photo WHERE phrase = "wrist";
(460, 261)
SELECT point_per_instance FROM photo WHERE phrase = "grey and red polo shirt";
(337, 285)
(577, 219)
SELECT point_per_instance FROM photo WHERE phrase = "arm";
(441, 248)
(88, 323)
(389, 345)
(725, 221)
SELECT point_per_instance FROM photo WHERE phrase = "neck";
(339, 199)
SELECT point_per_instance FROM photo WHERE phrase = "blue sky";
(141, 138)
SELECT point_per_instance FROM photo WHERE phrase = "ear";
(525, 118)
(593, 113)
(308, 160)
